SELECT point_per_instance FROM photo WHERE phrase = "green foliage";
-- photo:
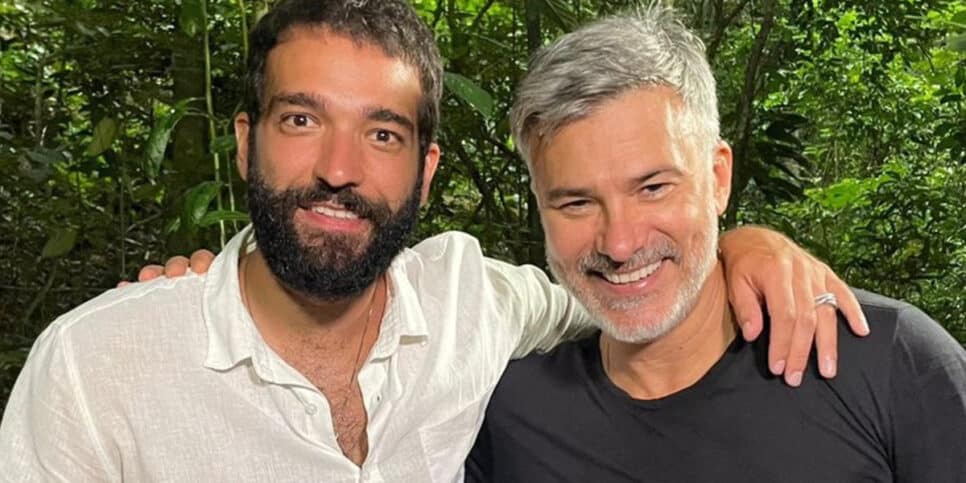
(60, 243)
(469, 92)
(847, 121)
(104, 134)
(900, 233)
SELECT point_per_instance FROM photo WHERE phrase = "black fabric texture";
(895, 412)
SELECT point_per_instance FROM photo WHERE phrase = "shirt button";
(310, 409)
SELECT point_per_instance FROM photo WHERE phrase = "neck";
(681, 357)
(282, 315)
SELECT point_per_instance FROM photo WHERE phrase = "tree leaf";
(104, 135)
(192, 17)
(214, 217)
(470, 92)
(222, 144)
(46, 156)
(196, 203)
(60, 243)
(146, 192)
(160, 136)
(957, 42)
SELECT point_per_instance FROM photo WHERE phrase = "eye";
(574, 207)
(654, 189)
(298, 121)
(386, 136)
(387, 140)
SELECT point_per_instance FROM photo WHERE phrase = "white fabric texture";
(171, 381)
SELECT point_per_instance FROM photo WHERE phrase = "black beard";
(326, 267)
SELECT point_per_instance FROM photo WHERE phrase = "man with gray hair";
(619, 126)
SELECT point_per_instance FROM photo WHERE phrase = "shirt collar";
(404, 320)
(232, 336)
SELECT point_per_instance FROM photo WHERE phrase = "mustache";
(601, 263)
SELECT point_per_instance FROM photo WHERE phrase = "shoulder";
(567, 364)
(139, 315)
(912, 341)
(456, 259)
(905, 325)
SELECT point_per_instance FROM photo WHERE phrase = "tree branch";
(721, 24)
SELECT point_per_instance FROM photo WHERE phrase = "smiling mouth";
(334, 211)
(630, 277)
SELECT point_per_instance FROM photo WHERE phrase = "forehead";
(318, 61)
(626, 136)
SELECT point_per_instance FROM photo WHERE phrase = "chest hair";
(333, 376)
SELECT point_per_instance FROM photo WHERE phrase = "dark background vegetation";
(847, 120)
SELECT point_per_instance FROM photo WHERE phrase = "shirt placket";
(311, 415)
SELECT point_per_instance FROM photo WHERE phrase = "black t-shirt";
(895, 412)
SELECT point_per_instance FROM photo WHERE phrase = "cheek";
(287, 162)
(567, 240)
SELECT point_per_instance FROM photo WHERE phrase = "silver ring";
(827, 298)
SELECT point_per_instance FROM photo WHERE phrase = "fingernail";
(865, 324)
(778, 367)
(795, 379)
(746, 328)
(828, 367)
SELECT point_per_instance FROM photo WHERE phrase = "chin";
(637, 331)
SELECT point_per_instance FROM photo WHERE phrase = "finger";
(201, 261)
(123, 283)
(780, 300)
(747, 306)
(848, 305)
(803, 333)
(150, 272)
(176, 266)
(826, 339)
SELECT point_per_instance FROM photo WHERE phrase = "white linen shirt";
(171, 381)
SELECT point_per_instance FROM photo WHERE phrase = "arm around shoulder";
(543, 312)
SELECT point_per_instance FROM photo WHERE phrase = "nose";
(340, 160)
(618, 235)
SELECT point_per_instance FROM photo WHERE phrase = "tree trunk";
(189, 151)
(745, 118)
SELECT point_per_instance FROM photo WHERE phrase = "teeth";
(640, 273)
(334, 213)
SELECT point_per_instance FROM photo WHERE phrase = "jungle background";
(846, 117)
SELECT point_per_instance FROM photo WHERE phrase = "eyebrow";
(296, 99)
(384, 114)
(558, 193)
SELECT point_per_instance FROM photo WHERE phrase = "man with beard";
(325, 352)
(619, 124)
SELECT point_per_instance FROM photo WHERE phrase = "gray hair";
(646, 47)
